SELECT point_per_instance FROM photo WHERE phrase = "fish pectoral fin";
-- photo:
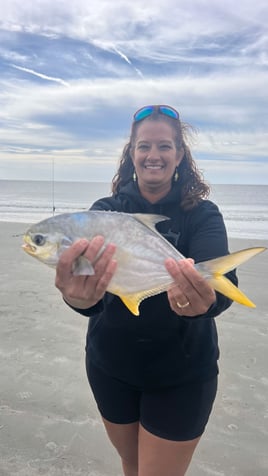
(82, 267)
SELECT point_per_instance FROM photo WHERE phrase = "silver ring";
(182, 306)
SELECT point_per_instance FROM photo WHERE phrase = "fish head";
(44, 245)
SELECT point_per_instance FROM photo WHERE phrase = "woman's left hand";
(190, 295)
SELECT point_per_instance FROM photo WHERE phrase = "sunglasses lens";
(148, 110)
(142, 113)
(168, 111)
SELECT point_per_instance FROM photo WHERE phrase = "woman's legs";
(161, 457)
(156, 432)
(125, 440)
(144, 454)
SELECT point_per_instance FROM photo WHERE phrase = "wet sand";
(49, 424)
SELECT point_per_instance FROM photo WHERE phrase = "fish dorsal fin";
(149, 220)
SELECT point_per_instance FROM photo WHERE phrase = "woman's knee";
(125, 440)
(158, 456)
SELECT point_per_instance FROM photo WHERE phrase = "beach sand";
(49, 424)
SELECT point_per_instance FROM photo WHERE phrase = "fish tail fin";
(227, 288)
(215, 269)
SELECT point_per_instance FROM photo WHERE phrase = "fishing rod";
(53, 186)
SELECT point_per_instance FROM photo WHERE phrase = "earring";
(176, 176)
(134, 176)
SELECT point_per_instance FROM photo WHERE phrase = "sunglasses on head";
(147, 111)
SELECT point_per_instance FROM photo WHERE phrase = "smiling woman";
(157, 153)
(154, 378)
(155, 159)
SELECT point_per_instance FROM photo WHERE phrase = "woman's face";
(155, 157)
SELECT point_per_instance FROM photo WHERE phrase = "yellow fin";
(214, 269)
(228, 262)
(225, 286)
(132, 301)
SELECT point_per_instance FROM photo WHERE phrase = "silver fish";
(140, 253)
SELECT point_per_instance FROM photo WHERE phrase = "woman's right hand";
(84, 292)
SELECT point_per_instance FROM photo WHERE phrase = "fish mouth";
(29, 248)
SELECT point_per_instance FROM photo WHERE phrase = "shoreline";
(231, 239)
(49, 422)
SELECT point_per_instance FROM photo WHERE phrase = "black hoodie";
(160, 348)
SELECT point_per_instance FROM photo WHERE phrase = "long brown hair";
(193, 188)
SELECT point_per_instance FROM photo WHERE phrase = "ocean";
(244, 207)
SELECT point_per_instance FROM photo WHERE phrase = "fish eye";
(39, 240)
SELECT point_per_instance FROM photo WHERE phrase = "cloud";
(125, 58)
(207, 59)
(40, 75)
(234, 172)
(157, 30)
(204, 104)
(126, 20)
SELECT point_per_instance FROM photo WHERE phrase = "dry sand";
(49, 424)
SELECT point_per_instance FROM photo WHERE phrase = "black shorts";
(178, 413)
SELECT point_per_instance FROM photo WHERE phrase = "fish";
(140, 253)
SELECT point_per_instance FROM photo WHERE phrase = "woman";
(154, 377)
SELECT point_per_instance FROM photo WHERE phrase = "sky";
(73, 73)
